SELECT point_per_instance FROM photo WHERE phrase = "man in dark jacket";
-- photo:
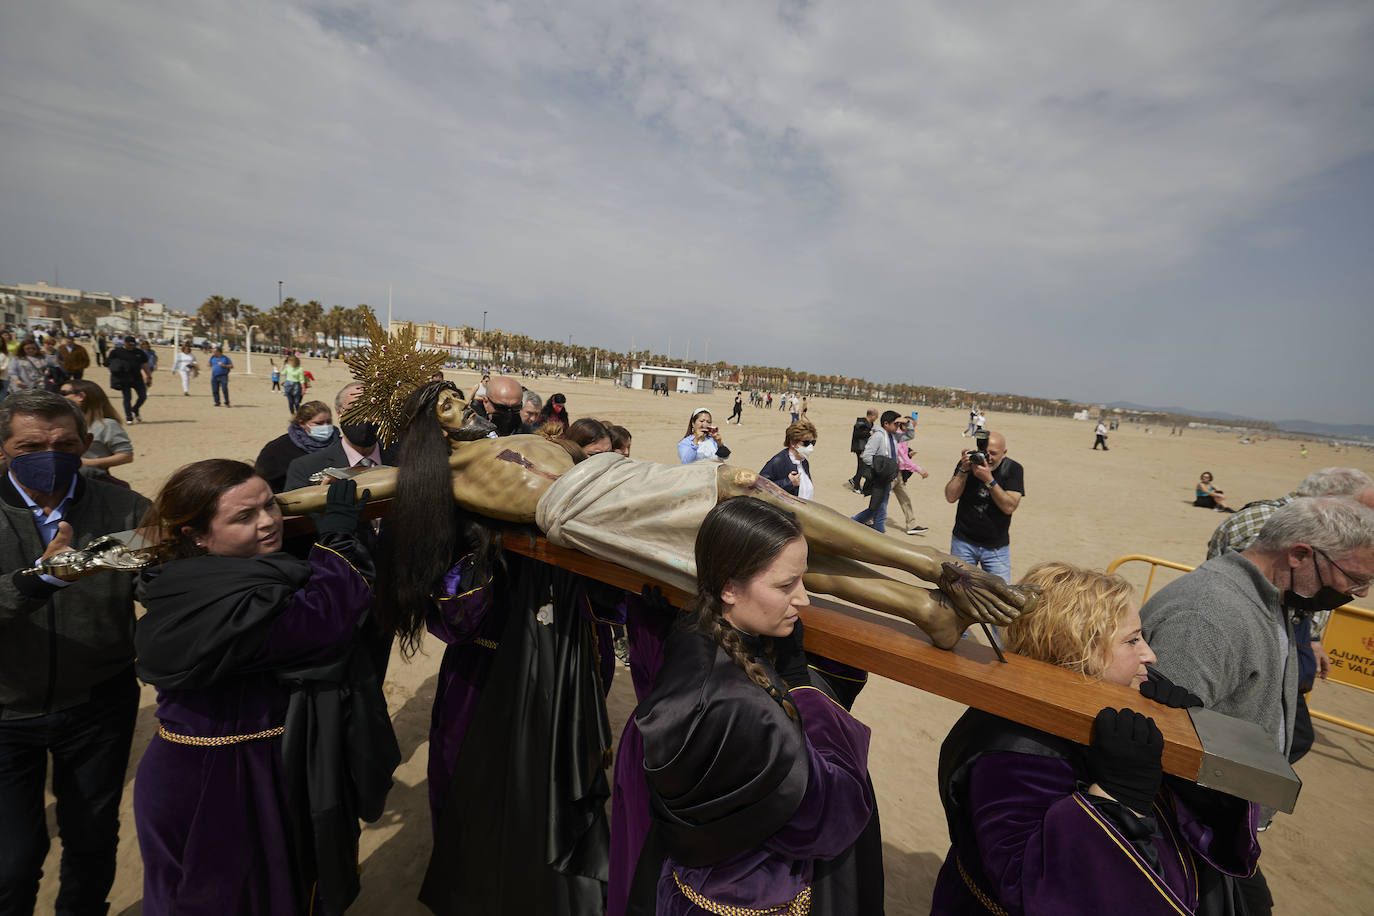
(67, 683)
(863, 428)
(356, 447)
(129, 373)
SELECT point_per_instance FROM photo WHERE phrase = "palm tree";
(312, 321)
(334, 323)
(212, 313)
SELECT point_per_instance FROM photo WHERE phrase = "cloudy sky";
(1169, 202)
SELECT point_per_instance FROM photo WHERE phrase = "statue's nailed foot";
(970, 596)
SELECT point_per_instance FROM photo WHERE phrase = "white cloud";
(609, 169)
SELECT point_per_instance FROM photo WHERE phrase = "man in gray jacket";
(1225, 630)
(67, 686)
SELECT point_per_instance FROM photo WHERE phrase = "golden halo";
(390, 367)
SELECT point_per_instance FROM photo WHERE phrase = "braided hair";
(738, 538)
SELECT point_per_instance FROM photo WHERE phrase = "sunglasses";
(807, 442)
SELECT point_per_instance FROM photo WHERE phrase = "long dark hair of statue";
(425, 531)
(737, 539)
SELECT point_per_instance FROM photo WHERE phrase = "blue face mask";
(320, 433)
(45, 472)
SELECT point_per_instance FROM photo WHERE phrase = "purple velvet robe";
(646, 628)
(212, 821)
(1042, 847)
(834, 810)
(469, 621)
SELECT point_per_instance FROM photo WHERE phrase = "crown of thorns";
(389, 368)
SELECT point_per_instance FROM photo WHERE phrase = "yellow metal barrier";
(1348, 640)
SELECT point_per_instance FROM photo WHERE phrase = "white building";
(683, 381)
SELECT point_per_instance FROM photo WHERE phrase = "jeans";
(293, 395)
(996, 560)
(876, 513)
(90, 750)
(131, 388)
(219, 384)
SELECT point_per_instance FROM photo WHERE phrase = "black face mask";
(505, 417)
(362, 436)
(1327, 598)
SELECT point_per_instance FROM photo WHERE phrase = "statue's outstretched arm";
(942, 619)
(977, 595)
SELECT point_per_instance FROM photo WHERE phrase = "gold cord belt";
(977, 891)
(487, 643)
(797, 906)
(221, 741)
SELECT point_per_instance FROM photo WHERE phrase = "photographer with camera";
(988, 487)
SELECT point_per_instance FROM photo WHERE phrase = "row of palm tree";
(305, 324)
(290, 324)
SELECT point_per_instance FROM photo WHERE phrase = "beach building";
(678, 379)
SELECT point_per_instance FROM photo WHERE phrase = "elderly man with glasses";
(1225, 631)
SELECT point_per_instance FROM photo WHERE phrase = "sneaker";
(916, 529)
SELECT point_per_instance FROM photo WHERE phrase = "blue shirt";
(47, 524)
(220, 366)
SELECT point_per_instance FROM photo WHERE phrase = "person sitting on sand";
(1208, 496)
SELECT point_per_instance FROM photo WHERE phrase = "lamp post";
(278, 294)
(248, 346)
(482, 344)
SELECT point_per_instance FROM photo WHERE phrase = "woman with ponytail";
(756, 780)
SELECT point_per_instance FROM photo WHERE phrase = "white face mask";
(320, 433)
(804, 451)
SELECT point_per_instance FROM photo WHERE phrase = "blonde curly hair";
(1079, 611)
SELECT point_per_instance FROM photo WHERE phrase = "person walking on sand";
(276, 375)
(293, 381)
(130, 376)
(220, 366)
(1101, 435)
(737, 414)
(185, 367)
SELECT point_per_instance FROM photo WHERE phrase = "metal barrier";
(1348, 640)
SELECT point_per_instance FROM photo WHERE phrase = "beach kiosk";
(678, 379)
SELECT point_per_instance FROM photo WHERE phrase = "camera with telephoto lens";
(980, 455)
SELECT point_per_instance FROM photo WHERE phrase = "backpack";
(54, 377)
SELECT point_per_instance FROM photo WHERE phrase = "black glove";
(790, 657)
(1126, 758)
(651, 596)
(342, 508)
(1165, 692)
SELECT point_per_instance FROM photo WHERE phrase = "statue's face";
(450, 409)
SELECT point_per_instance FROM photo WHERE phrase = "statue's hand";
(982, 597)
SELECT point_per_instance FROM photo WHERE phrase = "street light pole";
(278, 294)
(249, 347)
(483, 341)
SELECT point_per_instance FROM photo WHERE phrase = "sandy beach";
(1083, 506)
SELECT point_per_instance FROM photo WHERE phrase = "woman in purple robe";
(214, 794)
(753, 787)
(1042, 825)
